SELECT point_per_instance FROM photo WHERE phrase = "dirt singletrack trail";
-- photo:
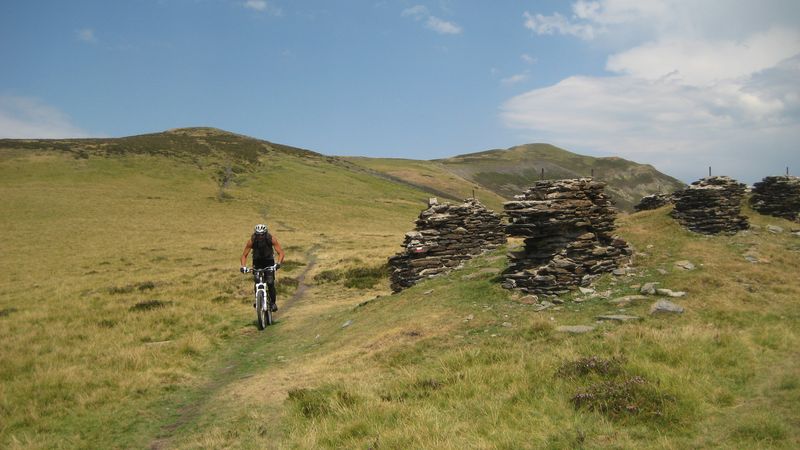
(226, 373)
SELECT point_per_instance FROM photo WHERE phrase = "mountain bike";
(261, 277)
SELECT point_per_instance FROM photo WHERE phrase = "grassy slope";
(87, 240)
(455, 363)
(432, 176)
(409, 371)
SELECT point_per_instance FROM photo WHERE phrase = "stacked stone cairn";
(445, 236)
(653, 201)
(711, 205)
(567, 226)
(778, 196)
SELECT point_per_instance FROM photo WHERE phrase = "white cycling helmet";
(261, 228)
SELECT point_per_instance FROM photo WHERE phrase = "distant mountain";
(493, 175)
(505, 173)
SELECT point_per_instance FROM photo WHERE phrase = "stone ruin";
(777, 196)
(711, 205)
(653, 201)
(567, 226)
(445, 236)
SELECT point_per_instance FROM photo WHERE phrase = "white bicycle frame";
(261, 285)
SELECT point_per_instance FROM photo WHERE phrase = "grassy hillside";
(457, 362)
(498, 175)
(509, 172)
(124, 322)
(432, 177)
(119, 276)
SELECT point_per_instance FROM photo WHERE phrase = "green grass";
(453, 363)
(120, 280)
(148, 337)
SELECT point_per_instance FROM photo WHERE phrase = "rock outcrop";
(445, 236)
(778, 197)
(711, 206)
(567, 226)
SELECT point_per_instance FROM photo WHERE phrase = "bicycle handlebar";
(273, 268)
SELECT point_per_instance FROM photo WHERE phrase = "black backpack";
(262, 247)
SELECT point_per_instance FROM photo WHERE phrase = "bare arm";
(278, 248)
(246, 252)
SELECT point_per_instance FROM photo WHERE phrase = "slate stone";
(777, 196)
(567, 226)
(575, 329)
(649, 288)
(711, 205)
(445, 236)
(665, 307)
(670, 293)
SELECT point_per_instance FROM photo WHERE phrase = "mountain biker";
(262, 243)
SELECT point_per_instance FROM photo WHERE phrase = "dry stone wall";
(568, 228)
(711, 205)
(445, 236)
(653, 201)
(778, 196)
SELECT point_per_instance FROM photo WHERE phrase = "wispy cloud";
(263, 6)
(528, 59)
(421, 12)
(418, 12)
(442, 26)
(25, 117)
(86, 35)
(514, 79)
(558, 24)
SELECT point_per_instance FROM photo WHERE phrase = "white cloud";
(528, 58)
(421, 12)
(514, 79)
(701, 61)
(262, 6)
(24, 117)
(558, 24)
(670, 124)
(86, 35)
(694, 84)
(441, 26)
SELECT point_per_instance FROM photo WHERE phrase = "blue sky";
(675, 83)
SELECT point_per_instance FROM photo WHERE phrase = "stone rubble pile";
(653, 201)
(567, 226)
(445, 236)
(711, 205)
(778, 196)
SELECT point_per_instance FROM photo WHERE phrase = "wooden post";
(709, 170)
(542, 177)
(592, 173)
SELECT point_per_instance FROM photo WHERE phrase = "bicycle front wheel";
(262, 309)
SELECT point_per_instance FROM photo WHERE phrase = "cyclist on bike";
(262, 243)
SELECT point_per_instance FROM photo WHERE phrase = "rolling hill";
(125, 323)
(501, 174)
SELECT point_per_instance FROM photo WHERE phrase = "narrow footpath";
(226, 373)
